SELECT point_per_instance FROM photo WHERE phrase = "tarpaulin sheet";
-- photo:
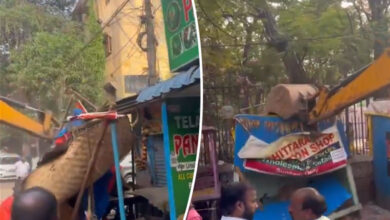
(333, 191)
(178, 81)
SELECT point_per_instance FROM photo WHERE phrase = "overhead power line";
(96, 35)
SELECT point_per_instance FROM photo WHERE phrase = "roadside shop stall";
(168, 122)
(169, 114)
(277, 157)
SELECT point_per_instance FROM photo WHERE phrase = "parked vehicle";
(127, 168)
(7, 166)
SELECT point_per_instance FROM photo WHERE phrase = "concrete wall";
(126, 57)
(363, 172)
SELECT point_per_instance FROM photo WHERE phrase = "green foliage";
(328, 39)
(329, 42)
(20, 19)
(55, 58)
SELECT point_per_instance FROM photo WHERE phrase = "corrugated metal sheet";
(181, 80)
(158, 171)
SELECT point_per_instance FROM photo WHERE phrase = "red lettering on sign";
(177, 143)
(313, 147)
(326, 141)
(319, 143)
(187, 5)
(305, 152)
(296, 146)
(187, 144)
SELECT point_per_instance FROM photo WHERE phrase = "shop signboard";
(272, 146)
(181, 130)
(180, 32)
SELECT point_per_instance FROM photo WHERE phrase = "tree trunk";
(294, 68)
(380, 26)
(248, 41)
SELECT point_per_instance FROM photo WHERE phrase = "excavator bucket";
(289, 100)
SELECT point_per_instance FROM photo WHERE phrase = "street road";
(6, 189)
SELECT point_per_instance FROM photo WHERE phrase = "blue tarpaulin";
(335, 195)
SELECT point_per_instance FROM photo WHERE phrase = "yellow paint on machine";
(14, 118)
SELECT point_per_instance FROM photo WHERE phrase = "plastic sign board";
(181, 131)
(273, 146)
(181, 34)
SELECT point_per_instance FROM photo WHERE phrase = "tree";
(55, 57)
(278, 41)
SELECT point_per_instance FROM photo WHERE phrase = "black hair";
(34, 204)
(232, 193)
(316, 203)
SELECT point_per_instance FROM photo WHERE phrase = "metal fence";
(217, 102)
(356, 129)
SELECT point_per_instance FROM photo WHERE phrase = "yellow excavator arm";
(16, 119)
(369, 80)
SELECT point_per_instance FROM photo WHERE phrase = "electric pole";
(151, 43)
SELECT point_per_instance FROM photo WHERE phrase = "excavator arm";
(16, 119)
(369, 80)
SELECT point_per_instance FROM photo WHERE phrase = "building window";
(110, 89)
(107, 44)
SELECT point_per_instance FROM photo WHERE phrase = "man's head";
(34, 204)
(307, 204)
(239, 200)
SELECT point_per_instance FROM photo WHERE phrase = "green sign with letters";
(182, 130)
(181, 34)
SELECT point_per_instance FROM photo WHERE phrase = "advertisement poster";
(180, 31)
(183, 129)
(272, 146)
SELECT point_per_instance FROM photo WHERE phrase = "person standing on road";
(238, 202)
(307, 204)
(22, 171)
(22, 168)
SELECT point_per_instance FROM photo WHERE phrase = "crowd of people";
(239, 202)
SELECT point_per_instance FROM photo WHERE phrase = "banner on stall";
(294, 153)
(181, 130)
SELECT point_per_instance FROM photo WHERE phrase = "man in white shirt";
(22, 169)
(238, 202)
(307, 204)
